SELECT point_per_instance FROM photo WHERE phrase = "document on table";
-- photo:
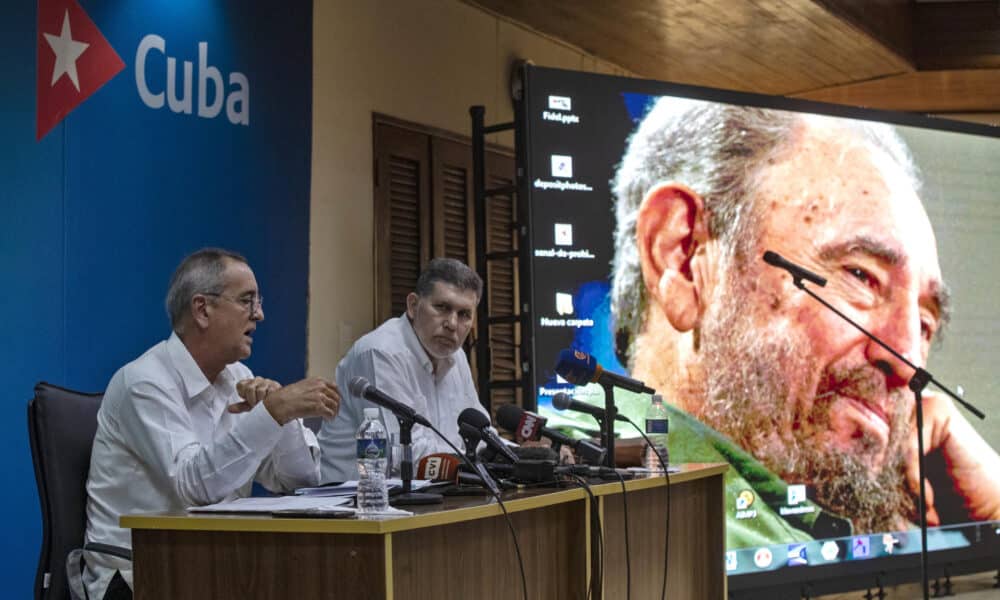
(269, 505)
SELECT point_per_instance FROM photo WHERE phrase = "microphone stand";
(408, 496)
(608, 424)
(917, 383)
(471, 438)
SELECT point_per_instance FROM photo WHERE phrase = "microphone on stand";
(473, 426)
(360, 386)
(563, 401)
(528, 426)
(580, 368)
(472, 420)
(406, 417)
(798, 273)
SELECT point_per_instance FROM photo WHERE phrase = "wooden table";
(460, 549)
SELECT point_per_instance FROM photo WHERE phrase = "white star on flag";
(67, 50)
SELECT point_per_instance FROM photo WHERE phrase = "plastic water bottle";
(657, 427)
(373, 494)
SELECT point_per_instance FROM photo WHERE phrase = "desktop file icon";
(562, 166)
(564, 234)
(560, 103)
(796, 494)
(564, 303)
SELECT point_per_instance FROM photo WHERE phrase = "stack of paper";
(269, 505)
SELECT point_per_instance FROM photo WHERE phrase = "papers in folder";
(269, 505)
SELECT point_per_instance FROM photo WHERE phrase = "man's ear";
(411, 304)
(200, 309)
(669, 229)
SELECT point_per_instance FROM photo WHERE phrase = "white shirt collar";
(191, 375)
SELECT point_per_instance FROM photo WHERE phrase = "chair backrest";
(61, 427)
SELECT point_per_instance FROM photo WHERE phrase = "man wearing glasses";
(187, 424)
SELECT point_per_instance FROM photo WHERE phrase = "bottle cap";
(657, 399)
(371, 413)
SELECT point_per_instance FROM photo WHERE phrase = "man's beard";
(750, 397)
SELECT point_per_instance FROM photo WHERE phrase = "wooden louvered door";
(402, 216)
(452, 222)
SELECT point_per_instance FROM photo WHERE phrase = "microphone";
(523, 424)
(798, 273)
(580, 368)
(514, 418)
(477, 425)
(361, 387)
(563, 401)
(439, 467)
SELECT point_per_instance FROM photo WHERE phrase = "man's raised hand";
(312, 397)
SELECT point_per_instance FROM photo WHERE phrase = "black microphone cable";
(628, 551)
(597, 577)
(503, 507)
(666, 474)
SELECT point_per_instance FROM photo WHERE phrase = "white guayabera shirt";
(165, 441)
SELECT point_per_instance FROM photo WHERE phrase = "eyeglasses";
(252, 304)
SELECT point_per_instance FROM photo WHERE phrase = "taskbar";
(739, 561)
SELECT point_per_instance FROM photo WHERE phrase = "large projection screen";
(765, 378)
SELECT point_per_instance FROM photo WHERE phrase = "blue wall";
(98, 212)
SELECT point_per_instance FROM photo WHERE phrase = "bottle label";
(373, 448)
(656, 426)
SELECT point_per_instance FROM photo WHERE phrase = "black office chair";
(61, 428)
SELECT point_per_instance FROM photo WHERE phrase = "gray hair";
(717, 150)
(449, 270)
(199, 273)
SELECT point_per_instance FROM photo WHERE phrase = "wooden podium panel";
(460, 549)
(256, 564)
(697, 539)
(476, 559)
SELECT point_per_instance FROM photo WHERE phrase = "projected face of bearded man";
(734, 343)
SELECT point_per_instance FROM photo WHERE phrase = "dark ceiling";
(940, 56)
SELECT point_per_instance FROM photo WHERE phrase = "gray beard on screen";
(749, 399)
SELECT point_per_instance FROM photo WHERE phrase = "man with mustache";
(759, 374)
(417, 359)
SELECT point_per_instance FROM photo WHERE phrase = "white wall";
(421, 60)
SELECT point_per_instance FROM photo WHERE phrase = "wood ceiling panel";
(971, 90)
(769, 46)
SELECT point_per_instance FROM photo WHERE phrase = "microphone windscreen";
(576, 367)
(523, 424)
(561, 401)
(473, 417)
(439, 467)
(508, 416)
(358, 386)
